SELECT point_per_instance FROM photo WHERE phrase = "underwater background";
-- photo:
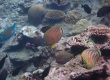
(54, 39)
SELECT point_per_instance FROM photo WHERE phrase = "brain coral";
(36, 14)
(73, 16)
(62, 2)
(55, 15)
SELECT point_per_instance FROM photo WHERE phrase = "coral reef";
(73, 70)
(99, 34)
(72, 16)
(54, 15)
(36, 14)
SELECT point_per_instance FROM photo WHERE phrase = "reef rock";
(100, 34)
(30, 31)
(73, 70)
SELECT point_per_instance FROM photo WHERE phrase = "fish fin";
(82, 5)
(54, 45)
(14, 26)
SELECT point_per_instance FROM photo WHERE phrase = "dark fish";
(7, 33)
(3, 75)
(44, 29)
(87, 9)
(58, 1)
(2, 61)
(16, 71)
(103, 11)
(45, 72)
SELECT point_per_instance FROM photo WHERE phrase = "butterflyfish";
(63, 57)
(7, 33)
(53, 35)
(90, 57)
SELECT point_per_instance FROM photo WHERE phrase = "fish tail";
(14, 26)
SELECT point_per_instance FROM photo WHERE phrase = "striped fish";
(90, 57)
(7, 33)
(53, 35)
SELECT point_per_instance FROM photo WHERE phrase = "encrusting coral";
(36, 14)
(73, 16)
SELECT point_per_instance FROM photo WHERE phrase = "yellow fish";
(90, 57)
(53, 35)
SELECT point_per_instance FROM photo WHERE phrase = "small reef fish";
(53, 35)
(7, 33)
(103, 11)
(63, 56)
(44, 29)
(2, 61)
(90, 57)
(3, 75)
(16, 71)
(87, 9)
(45, 72)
